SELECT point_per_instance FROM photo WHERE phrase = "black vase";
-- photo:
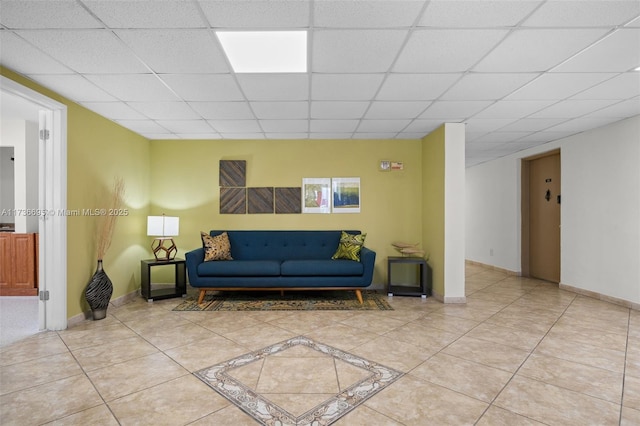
(98, 292)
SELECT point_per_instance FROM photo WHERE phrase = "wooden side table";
(402, 289)
(180, 287)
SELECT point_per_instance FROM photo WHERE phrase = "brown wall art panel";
(288, 200)
(233, 173)
(260, 200)
(233, 200)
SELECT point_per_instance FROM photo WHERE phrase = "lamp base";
(164, 249)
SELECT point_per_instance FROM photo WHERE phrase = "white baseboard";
(599, 296)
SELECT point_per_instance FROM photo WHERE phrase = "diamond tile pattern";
(519, 352)
(371, 59)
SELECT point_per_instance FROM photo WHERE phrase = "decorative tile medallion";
(374, 378)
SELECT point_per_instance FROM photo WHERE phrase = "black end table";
(401, 289)
(180, 288)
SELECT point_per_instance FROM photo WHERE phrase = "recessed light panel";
(265, 51)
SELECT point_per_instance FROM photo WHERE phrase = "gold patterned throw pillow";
(349, 246)
(216, 248)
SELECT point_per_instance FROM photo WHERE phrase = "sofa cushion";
(321, 268)
(216, 248)
(349, 247)
(239, 268)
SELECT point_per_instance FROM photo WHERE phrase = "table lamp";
(163, 228)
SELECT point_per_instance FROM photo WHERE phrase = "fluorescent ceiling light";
(265, 51)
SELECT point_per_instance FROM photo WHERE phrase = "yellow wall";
(97, 151)
(184, 182)
(180, 177)
(433, 151)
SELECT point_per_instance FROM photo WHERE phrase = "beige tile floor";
(520, 352)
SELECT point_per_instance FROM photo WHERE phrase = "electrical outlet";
(490, 252)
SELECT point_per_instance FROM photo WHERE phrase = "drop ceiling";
(517, 73)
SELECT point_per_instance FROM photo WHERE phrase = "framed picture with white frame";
(316, 195)
(345, 195)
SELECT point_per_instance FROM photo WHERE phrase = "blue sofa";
(281, 260)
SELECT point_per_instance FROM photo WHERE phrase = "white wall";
(23, 137)
(454, 220)
(6, 183)
(600, 236)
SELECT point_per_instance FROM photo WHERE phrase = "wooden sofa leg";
(201, 296)
(359, 296)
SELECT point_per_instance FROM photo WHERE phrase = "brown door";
(18, 264)
(544, 217)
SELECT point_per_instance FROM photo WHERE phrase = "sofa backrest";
(283, 245)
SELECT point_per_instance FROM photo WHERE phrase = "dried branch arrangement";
(108, 219)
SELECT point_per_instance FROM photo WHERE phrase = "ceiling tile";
(348, 87)
(472, 13)
(622, 109)
(532, 124)
(537, 50)
(281, 110)
(487, 125)
(335, 109)
(395, 109)
(501, 137)
(422, 126)
(236, 126)
(558, 86)
(46, 14)
(223, 110)
(458, 110)
(618, 52)
(582, 124)
(620, 87)
(147, 13)
(186, 126)
(431, 50)
(114, 110)
(383, 125)
(415, 86)
(22, 57)
(513, 109)
(284, 126)
(333, 126)
(204, 87)
(487, 86)
(583, 13)
(355, 51)
(73, 86)
(378, 135)
(274, 87)
(197, 136)
(143, 126)
(165, 110)
(543, 137)
(572, 108)
(256, 14)
(378, 14)
(86, 51)
(410, 135)
(287, 135)
(243, 136)
(133, 87)
(328, 135)
(176, 51)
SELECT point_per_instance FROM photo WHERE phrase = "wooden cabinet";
(18, 264)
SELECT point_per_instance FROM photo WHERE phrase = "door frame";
(52, 228)
(525, 171)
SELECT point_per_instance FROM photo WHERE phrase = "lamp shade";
(163, 226)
